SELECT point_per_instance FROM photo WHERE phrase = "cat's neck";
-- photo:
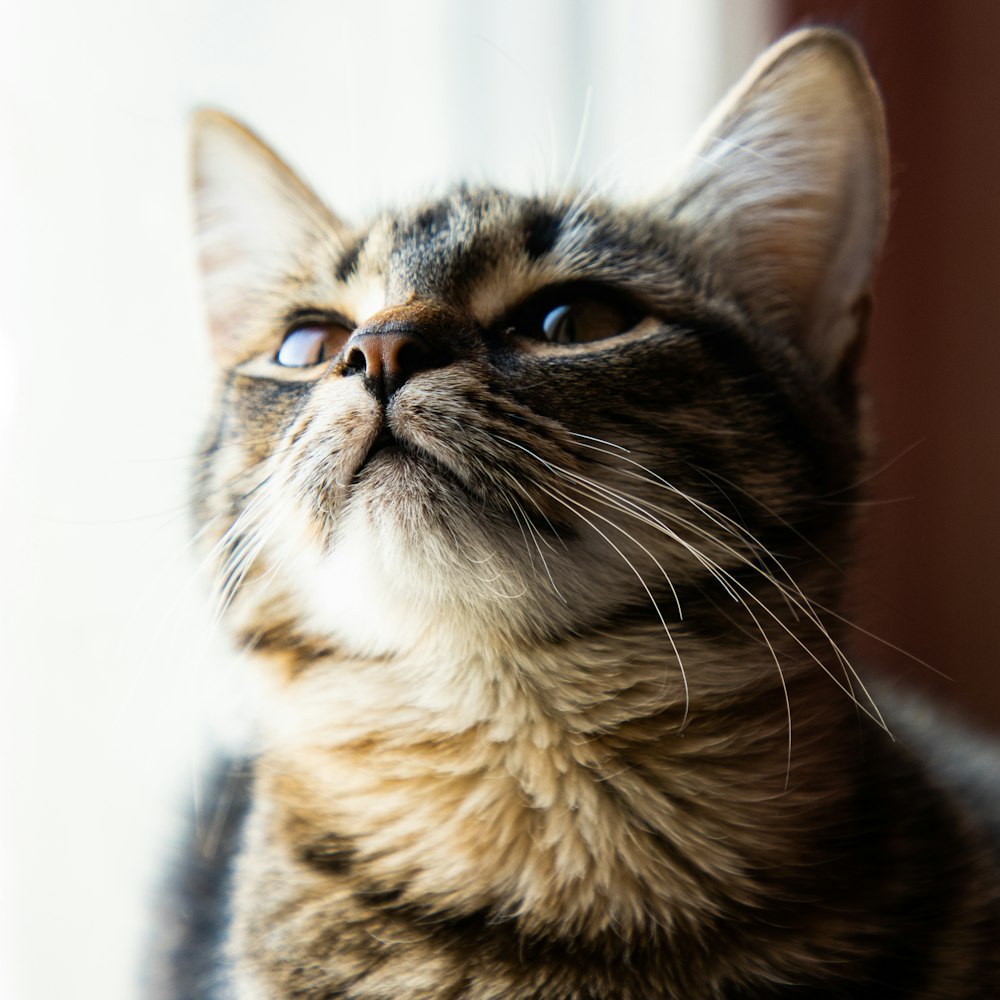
(616, 798)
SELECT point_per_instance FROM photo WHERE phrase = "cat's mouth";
(388, 452)
(386, 442)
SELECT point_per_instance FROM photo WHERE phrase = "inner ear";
(254, 217)
(783, 196)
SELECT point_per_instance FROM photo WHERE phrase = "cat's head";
(503, 420)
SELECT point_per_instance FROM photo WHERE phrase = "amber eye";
(586, 319)
(311, 344)
(574, 315)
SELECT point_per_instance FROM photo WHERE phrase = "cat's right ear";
(254, 218)
(784, 194)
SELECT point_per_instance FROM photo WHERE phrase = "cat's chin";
(393, 465)
(413, 562)
(392, 608)
(376, 466)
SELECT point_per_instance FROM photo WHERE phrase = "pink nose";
(387, 356)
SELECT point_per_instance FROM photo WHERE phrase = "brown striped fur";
(560, 707)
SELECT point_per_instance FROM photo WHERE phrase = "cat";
(533, 510)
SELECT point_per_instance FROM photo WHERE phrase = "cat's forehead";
(482, 250)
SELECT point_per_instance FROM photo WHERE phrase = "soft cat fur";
(550, 596)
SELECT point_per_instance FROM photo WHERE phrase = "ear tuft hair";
(253, 214)
(785, 191)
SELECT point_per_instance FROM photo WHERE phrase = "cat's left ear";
(255, 219)
(784, 196)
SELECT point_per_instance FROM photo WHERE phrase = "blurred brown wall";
(928, 578)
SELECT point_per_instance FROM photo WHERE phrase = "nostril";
(388, 356)
(356, 360)
(410, 356)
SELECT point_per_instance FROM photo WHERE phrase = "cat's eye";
(587, 319)
(574, 314)
(311, 344)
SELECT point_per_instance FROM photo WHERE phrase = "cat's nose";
(386, 359)
(387, 352)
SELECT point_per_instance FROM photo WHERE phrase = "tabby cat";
(532, 508)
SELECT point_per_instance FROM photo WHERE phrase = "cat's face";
(503, 420)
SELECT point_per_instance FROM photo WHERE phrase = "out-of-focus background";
(109, 668)
(928, 574)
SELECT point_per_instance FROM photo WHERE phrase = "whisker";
(573, 506)
(535, 536)
(720, 574)
(790, 591)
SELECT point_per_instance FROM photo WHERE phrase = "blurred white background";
(109, 669)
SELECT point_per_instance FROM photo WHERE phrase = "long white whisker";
(721, 574)
(617, 527)
(799, 601)
(536, 538)
(576, 508)
(790, 592)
